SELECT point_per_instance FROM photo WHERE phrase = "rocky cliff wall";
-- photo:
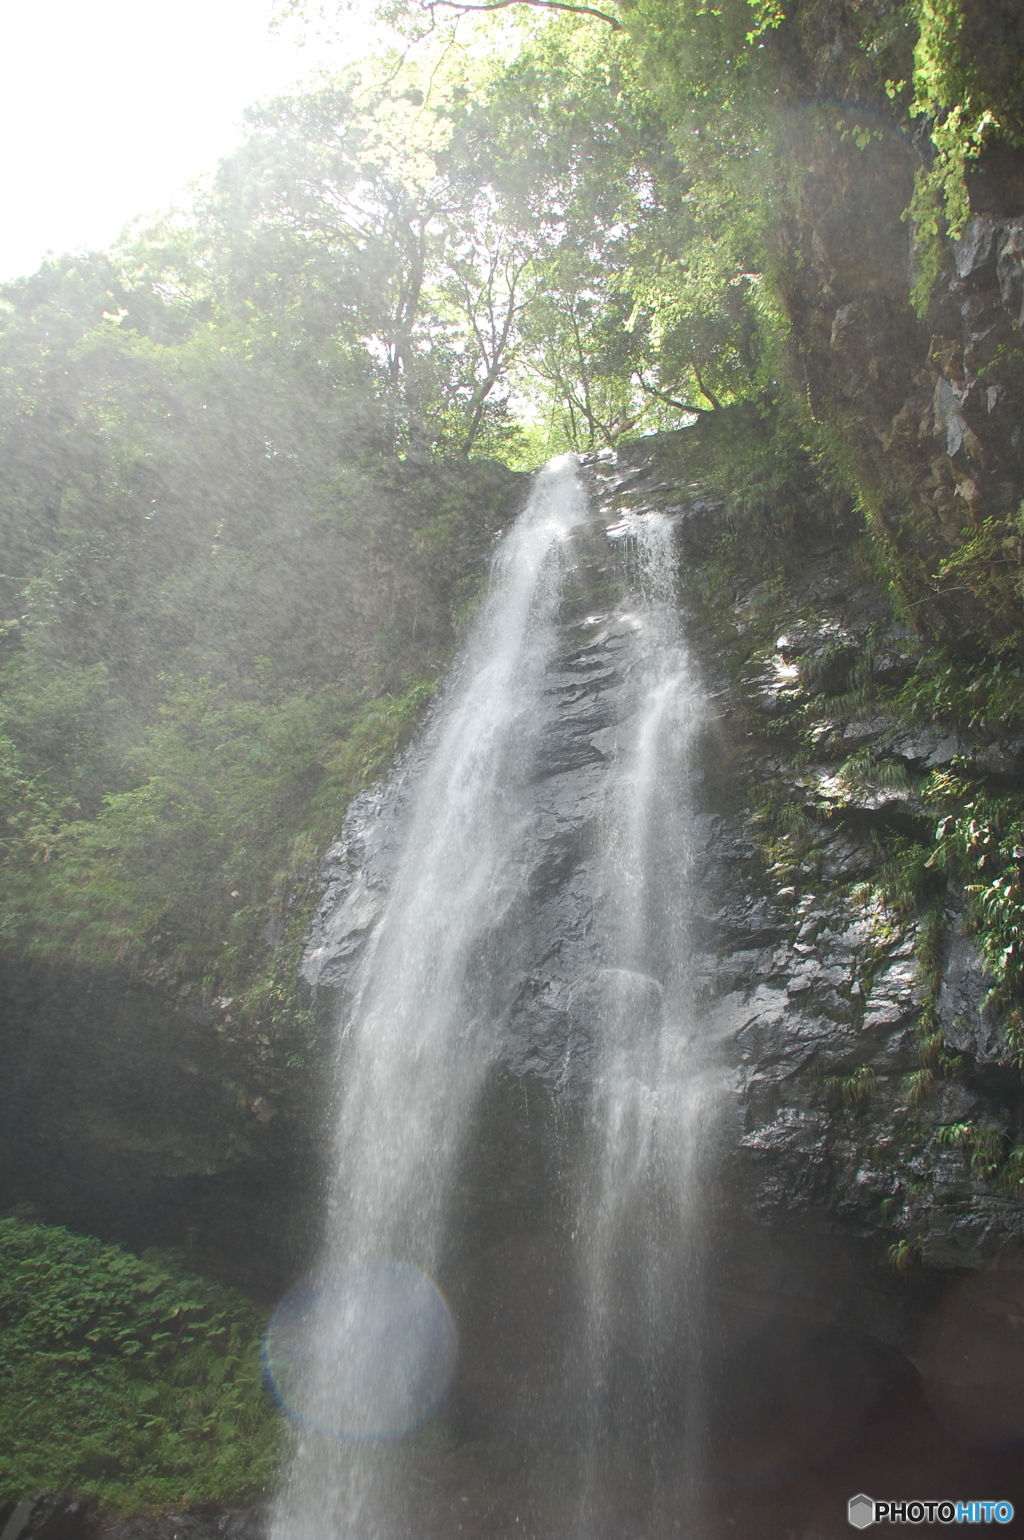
(848, 1234)
(813, 978)
(846, 1098)
(917, 396)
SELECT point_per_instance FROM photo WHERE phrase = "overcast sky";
(109, 107)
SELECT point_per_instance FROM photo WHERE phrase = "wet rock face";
(813, 991)
(551, 965)
(975, 351)
(49, 1516)
(847, 1115)
(929, 407)
(64, 1516)
(969, 1023)
(203, 1521)
(357, 871)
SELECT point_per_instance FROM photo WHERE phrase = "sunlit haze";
(108, 108)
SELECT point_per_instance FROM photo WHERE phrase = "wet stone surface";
(811, 996)
(204, 1521)
(814, 997)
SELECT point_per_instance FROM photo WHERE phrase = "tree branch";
(682, 406)
(705, 392)
(547, 5)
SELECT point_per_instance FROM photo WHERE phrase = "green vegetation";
(237, 604)
(979, 845)
(248, 487)
(256, 457)
(970, 87)
(125, 1378)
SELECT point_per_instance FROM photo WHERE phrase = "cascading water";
(639, 1231)
(558, 779)
(415, 1053)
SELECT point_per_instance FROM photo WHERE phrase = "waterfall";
(639, 1232)
(364, 1353)
(417, 1046)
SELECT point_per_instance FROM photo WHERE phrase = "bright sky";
(109, 107)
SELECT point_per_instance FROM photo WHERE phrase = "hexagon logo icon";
(861, 1510)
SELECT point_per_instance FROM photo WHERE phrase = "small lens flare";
(366, 1354)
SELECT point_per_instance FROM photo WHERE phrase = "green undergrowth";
(973, 856)
(204, 867)
(232, 588)
(125, 1378)
(968, 106)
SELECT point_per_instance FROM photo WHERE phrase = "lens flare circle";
(366, 1354)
